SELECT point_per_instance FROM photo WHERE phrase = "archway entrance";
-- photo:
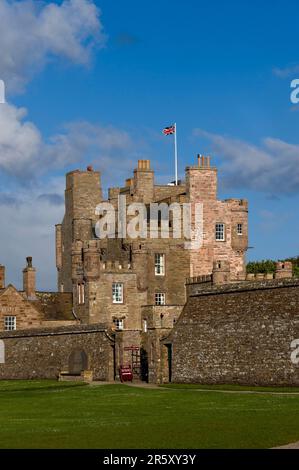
(78, 361)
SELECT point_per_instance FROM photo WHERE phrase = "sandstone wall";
(13, 303)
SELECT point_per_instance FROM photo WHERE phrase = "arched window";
(2, 352)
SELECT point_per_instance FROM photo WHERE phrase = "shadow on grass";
(41, 388)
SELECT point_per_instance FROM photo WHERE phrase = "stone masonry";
(44, 352)
(88, 266)
(120, 296)
(32, 309)
(236, 333)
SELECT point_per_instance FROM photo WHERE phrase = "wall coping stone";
(55, 331)
(246, 286)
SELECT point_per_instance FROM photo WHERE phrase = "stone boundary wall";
(41, 353)
(239, 333)
(205, 288)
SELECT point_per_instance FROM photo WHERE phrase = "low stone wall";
(238, 334)
(42, 353)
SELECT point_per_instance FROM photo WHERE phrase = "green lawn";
(47, 414)
(232, 388)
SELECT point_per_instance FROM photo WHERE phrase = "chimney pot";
(144, 164)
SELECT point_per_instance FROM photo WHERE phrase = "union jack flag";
(169, 130)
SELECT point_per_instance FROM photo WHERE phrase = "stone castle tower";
(129, 284)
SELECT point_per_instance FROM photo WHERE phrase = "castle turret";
(283, 270)
(201, 180)
(82, 195)
(221, 272)
(77, 261)
(221, 227)
(91, 260)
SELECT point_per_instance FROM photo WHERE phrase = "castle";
(131, 285)
(153, 302)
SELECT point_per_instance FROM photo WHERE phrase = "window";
(118, 323)
(219, 232)
(10, 323)
(240, 229)
(145, 326)
(117, 293)
(81, 294)
(159, 264)
(160, 298)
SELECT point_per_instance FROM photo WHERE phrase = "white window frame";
(81, 293)
(118, 323)
(10, 323)
(240, 229)
(220, 232)
(159, 264)
(117, 293)
(160, 298)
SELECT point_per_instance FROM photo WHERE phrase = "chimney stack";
(29, 279)
(2, 276)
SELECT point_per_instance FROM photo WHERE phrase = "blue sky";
(103, 78)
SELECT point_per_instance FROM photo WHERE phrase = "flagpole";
(175, 155)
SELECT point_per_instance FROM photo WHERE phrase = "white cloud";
(25, 155)
(32, 32)
(285, 72)
(29, 230)
(20, 141)
(31, 211)
(272, 167)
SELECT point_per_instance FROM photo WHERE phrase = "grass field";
(48, 414)
(232, 388)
